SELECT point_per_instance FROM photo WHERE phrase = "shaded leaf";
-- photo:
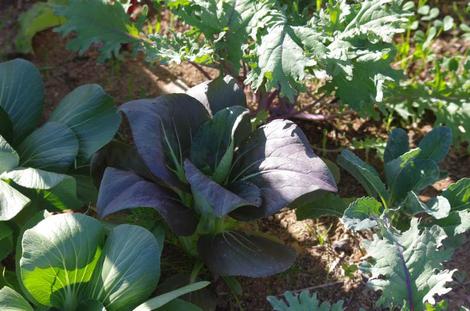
(320, 204)
(118, 155)
(10, 300)
(244, 255)
(58, 190)
(213, 145)
(90, 113)
(52, 147)
(365, 174)
(21, 96)
(9, 159)
(218, 94)
(413, 175)
(162, 130)
(397, 144)
(436, 144)
(6, 127)
(6, 240)
(122, 190)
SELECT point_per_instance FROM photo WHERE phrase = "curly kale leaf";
(97, 21)
(408, 267)
(303, 301)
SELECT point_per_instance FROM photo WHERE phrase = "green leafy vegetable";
(303, 301)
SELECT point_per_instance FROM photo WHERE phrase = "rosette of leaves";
(72, 262)
(407, 267)
(38, 165)
(201, 165)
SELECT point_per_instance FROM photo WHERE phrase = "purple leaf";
(279, 160)
(236, 253)
(218, 94)
(122, 190)
(162, 129)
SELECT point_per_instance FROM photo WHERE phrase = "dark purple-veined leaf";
(218, 94)
(214, 143)
(279, 160)
(118, 155)
(122, 190)
(210, 197)
(236, 253)
(162, 129)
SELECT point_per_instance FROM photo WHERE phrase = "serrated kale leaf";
(98, 22)
(408, 267)
(303, 301)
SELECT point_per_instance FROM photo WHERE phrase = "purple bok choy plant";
(199, 162)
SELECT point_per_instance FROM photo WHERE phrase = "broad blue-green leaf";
(214, 143)
(320, 204)
(437, 207)
(408, 268)
(66, 261)
(52, 147)
(162, 300)
(40, 16)
(279, 160)
(59, 256)
(397, 144)
(9, 159)
(10, 300)
(122, 190)
(412, 175)
(458, 194)
(130, 269)
(244, 254)
(210, 197)
(218, 94)
(6, 240)
(305, 301)
(362, 214)
(162, 129)
(97, 22)
(21, 96)
(436, 144)
(56, 190)
(365, 174)
(90, 113)
(11, 201)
